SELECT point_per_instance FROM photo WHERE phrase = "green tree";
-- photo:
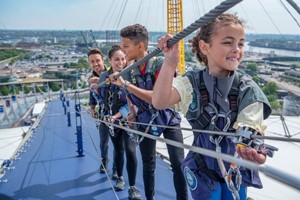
(25, 55)
(82, 64)
(26, 89)
(73, 85)
(66, 65)
(271, 98)
(275, 105)
(256, 79)
(73, 65)
(55, 87)
(13, 61)
(4, 90)
(37, 89)
(10, 53)
(14, 90)
(270, 88)
(252, 69)
(43, 88)
(84, 85)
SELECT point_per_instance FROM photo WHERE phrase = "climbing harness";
(107, 117)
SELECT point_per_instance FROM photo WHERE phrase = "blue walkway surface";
(49, 166)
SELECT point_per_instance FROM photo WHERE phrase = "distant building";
(112, 37)
(30, 40)
(291, 106)
(54, 65)
(281, 94)
(292, 73)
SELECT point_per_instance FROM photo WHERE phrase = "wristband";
(126, 84)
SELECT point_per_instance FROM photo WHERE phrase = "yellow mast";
(175, 25)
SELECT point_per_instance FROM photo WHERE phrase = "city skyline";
(262, 17)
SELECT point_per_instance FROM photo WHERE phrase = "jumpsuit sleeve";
(184, 88)
(251, 116)
(124, 110)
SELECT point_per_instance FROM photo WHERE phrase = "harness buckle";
(106, 118)
(133, 136)
(153, 116)
(111, 130)
(267, 150)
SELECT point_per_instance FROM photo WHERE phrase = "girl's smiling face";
(117, 61)
(225, 50)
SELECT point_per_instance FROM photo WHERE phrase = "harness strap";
(203, 91)
(146, 80)
(213, 175)
(233, 97)
(205, 118)
(112, 99)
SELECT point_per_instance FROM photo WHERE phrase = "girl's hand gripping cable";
(245, 137)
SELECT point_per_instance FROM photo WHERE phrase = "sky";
(261, 16)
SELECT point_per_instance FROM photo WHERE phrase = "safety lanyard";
(133, 136)
(234, 169)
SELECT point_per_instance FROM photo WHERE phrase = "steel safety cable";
(147, 16)
(274, 173)
(120, 17)
(4, 138)
(8, 144)
(109, 19)
(224, 6)
(95, 158)
(138, 12)
(290, 13)
(269, 171)
(270, 18)
(77, 101)
(294, 5)
(106, 17)
(248, 18)
(42, 92)
(289, 139)
(96, 150)
(283, 139)
(94, 40)
(101, 163)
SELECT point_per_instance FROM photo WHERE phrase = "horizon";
(267, 18)
(70, 30)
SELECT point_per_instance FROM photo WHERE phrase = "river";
(278, 52)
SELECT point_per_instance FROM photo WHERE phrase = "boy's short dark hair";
(137, 33)
(95, 51)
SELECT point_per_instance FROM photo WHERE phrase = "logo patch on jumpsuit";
(190, 178)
